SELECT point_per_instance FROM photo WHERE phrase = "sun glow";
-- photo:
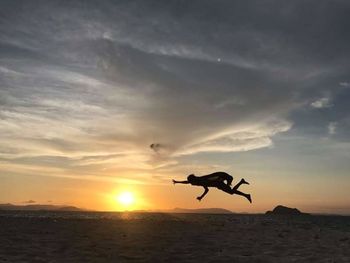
(126, 199)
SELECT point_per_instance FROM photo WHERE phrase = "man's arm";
(206, 190)
(180, 182)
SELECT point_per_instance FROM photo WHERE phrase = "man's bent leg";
(229, 180)
(223, 187)
(227, 189)
(239, 184)
(226, 177)
(233, 191)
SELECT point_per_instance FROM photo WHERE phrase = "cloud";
(321, 103)
(248, 138)
(91, 98)
(344, 84)
(332, 128)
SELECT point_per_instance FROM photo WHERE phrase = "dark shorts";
(219, 185)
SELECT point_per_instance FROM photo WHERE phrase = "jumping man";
(215, 180)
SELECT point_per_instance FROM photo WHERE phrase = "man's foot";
(243, 181)
(249, 198)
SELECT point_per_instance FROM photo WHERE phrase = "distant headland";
(284, 210)
(38, 207)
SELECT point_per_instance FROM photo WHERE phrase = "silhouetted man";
(215, 180)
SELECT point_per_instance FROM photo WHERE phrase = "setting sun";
(126, 199)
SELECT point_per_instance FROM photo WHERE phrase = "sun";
(126, 199)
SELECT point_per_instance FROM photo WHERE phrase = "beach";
(155, 237)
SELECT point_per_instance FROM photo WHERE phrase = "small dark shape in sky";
(155, 146)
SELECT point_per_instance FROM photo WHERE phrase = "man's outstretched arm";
(206, 190)
(180, 182)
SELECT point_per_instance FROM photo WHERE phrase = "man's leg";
(236, 192)
(239, 184)
(225, 177)
(229, 179)
(227, 189)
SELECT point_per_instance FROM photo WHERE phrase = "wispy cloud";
(344, 84)
(250, 137)
(321, 103)
(332, 128)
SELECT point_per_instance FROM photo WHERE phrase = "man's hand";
(174, 182)
(206, 190)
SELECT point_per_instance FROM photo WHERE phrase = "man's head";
(191, 178)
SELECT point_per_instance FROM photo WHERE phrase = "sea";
(339, 222)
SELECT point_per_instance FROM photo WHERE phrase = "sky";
(102, 97)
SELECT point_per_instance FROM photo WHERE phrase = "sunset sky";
(258, 89)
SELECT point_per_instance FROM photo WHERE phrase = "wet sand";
(172, 238)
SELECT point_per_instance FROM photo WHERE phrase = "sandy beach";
(129, 237)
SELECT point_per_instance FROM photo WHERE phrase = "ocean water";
(323, 221)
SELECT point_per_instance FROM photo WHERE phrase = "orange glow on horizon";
(125, 198)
